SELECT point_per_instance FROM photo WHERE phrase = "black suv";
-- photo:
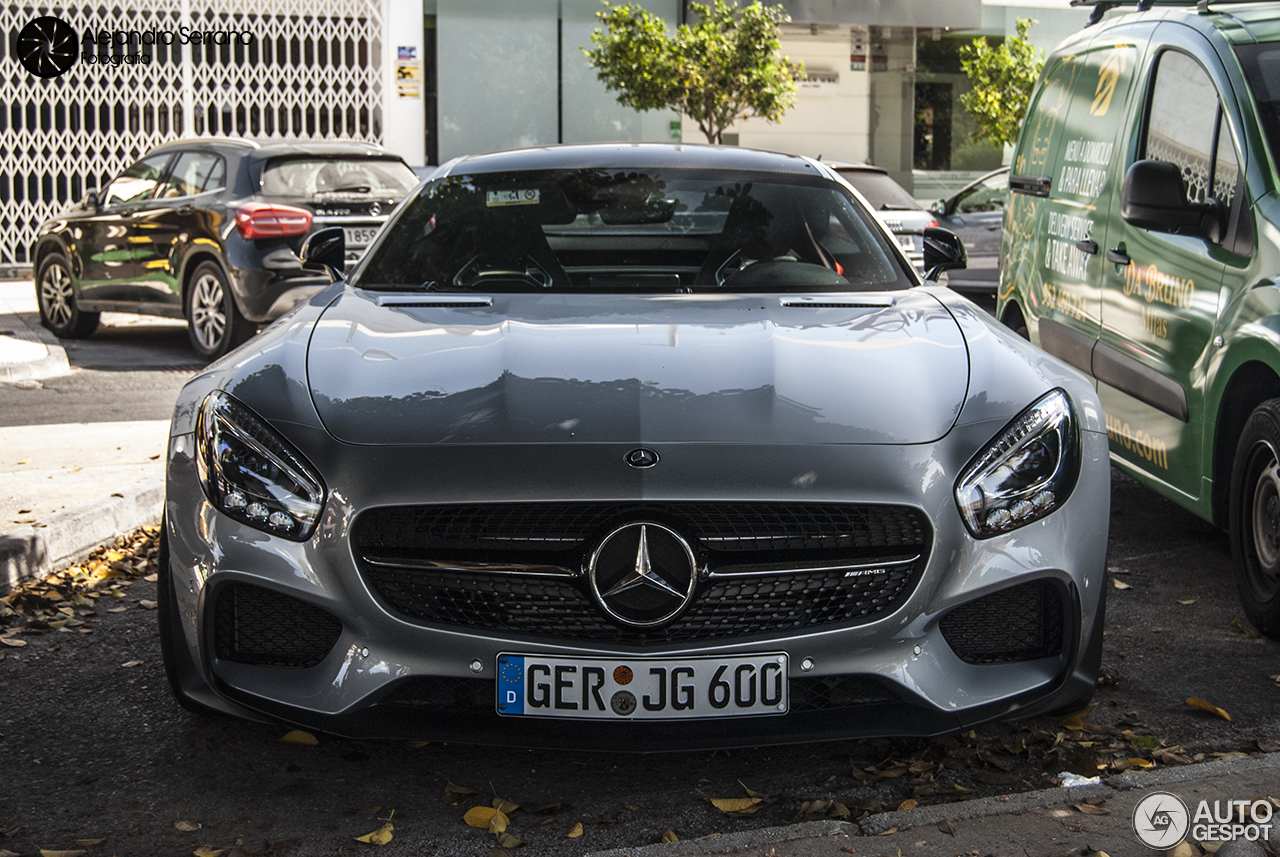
(209, 230)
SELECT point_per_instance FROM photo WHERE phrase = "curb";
(68, 536)
(730, 843)
(53, 363)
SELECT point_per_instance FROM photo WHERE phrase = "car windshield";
(881, 191)
(1261, 64)
(633, 230)
(301, 178)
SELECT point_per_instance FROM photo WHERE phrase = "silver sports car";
(634, 447)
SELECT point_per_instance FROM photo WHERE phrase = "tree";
(724, 68)
(1003, 79)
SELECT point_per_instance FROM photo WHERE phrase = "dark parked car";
(976, 214)
(892, 204)
(208, 230)
(635, 447)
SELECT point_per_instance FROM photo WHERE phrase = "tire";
(214, 323)
(59, 305)
(178, 668)
(1254, 518)
(1014, 320)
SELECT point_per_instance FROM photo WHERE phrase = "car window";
(1182, 121)
(138, 182)
(191, 173)
(881, 191)
(633, 230)
(988, 195)
(1261, 64)
(300, 178)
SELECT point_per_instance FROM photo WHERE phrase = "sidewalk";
(65, 489)
(1044, 823)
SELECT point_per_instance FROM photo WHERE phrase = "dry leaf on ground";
(670, 836)
(736, 804)
(297, 736)
(381, 836)
(187, 826)
(575, 831)
(1205, 705)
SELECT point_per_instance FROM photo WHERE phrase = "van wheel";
(214, 322)
(1254, 518)
(59, 304)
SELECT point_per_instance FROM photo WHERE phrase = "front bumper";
(390, 676)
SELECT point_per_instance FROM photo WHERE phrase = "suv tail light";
(262, 220)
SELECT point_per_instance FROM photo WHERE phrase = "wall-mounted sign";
(857, 48)
(408, 73)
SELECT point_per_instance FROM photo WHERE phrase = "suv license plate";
(641, 688)
(358, 236)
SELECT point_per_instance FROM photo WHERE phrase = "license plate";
(641, 688)
(359, 236)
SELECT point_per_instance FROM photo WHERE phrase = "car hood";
(884, 368)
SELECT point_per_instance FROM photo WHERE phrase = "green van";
(1142, 246)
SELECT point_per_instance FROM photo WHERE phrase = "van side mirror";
(1154, 196)
(327, 248)
(91, 199)
(943, 251)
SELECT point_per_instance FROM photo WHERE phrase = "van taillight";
(262, 220)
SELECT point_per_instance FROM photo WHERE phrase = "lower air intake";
(1021, 623)
(253, 625)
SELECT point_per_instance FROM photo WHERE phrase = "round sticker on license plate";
(642, 688)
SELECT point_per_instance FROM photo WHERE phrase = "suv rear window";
(302, 178)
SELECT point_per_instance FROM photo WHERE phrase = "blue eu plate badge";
(511, 684)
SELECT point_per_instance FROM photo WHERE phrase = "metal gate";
(296, 68)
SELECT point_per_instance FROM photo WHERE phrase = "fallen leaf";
(373, 810)
(147, 605)
(1245, 629)
(506, 840)
(1140, 763)
(736, 804)
(504, 805)
(381, 836)
(134, 663)
(486, 818)
(947, 826)
(208, 850)
(187, 826)
(908, 804)
(889, 832)
(1188, 601)
(1204, 705)
(575, 831)
(669, 836)
(1073, 723)
(752, 792)
(297, 736)
(151, 578)
(1120, 584)
(455, 794)
(80, 852)
(1091, 809)
(5, 852)
(13, 641)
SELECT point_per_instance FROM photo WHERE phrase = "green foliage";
(724, 68)
(1003, 79)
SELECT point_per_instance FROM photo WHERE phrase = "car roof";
(262, 149)
(854, 165)
(637, 156)
(1238, 21)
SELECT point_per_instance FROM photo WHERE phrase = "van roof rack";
(1102, 7)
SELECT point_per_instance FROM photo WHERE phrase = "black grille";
(757, 536)
(557, 526)
(1021, 623)
(820, 693)
(259, 626)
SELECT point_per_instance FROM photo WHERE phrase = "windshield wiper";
(351, 188)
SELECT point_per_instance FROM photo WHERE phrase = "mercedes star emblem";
(642, 457)
(643, 574)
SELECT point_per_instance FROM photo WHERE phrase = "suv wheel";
(1255, 518)
(214, 322)
(59, 307)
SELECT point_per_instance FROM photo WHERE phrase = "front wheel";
(214, 322)
(178, 668)
(59, 304)
(1254, 520)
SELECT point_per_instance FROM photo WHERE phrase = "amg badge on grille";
(642, 574)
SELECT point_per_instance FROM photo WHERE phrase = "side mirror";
(943, 251)
(91, 199)
(939, 207)
(327, 248)
(1154, 197)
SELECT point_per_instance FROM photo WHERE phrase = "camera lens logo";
(48, 46)
(1161, 820)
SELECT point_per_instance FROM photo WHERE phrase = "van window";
(1182, 121)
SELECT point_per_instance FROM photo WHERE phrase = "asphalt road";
(93, 747)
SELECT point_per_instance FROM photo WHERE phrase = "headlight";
(1026, 472)
(252, 474)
